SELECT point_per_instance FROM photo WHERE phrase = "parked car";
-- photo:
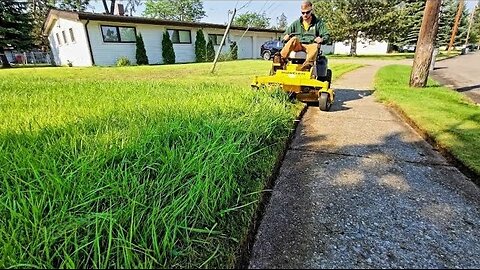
(408, 48)
(269, 48)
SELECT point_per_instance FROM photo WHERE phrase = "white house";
(86, 39)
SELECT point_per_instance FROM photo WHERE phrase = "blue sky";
(217, 10)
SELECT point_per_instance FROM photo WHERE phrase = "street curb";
(246, 246)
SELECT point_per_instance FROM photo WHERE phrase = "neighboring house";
(87, 39)
(363, 47)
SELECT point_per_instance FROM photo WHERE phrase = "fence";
(29, 58)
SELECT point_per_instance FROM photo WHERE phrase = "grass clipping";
(445, 115)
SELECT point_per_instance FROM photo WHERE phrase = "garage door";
(245, 47)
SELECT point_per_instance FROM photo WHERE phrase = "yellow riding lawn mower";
(310, 86)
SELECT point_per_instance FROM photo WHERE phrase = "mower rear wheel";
(324, 102)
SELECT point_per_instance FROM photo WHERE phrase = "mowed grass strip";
(135, 167)
(445, 115)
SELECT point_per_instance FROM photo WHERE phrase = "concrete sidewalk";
(361, 189)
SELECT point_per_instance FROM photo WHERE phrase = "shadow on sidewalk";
(334, 207)
(345, 95)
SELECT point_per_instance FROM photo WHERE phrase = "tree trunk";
(5, 63)
(353, 45)
(425, 44)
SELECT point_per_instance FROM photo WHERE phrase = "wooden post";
(223, 41)
(425, 44)
(455, 26)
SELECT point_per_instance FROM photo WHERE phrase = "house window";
(180, 36)
(58, 39)
(64, 37)
(72, 37)
(119, 34)
(216, 39)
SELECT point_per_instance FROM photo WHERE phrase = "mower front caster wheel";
(324, 102)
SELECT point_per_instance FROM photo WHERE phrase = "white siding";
(75, 51)
(363, 47)
(107, 53)
(372, 47)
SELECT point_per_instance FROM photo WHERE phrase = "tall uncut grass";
(135, 167)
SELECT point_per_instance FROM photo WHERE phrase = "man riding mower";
(300, 69)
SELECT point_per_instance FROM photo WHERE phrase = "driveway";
(359, 188)
(461, 73)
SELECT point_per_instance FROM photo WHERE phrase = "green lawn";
(143, 167)
(445, 115)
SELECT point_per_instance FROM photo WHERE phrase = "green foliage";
(282, 22)
(475, 30)
(350, 19)
(141, 53)
(177, 10)
(252, 19)
(234, 50)
(200, 47)
(210, 51)
(443, 114)
(410, 17)
(15, 25)
(447, 20)
(79, 5)
(123, 61)
(168, 53)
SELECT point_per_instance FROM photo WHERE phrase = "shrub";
(168, 53)
(200, 47)
(141, 53)
(234, 50)
(123, 61)
(210, 51)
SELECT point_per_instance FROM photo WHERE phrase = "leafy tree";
(282, 22)
(177, 10)
(15, 27)
(410, 17)
(168, 53)
(200, 47)
(39, 10)
(252, 19)
(210, 51)
(351, 19)
(79, 5)
(475, 31)
(141, 53)
(447, 21)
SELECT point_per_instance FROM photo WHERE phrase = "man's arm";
(323, 32)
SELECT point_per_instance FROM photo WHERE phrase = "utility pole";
(425, 44)
(471, 22)
(455, 26)
(223, 40)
